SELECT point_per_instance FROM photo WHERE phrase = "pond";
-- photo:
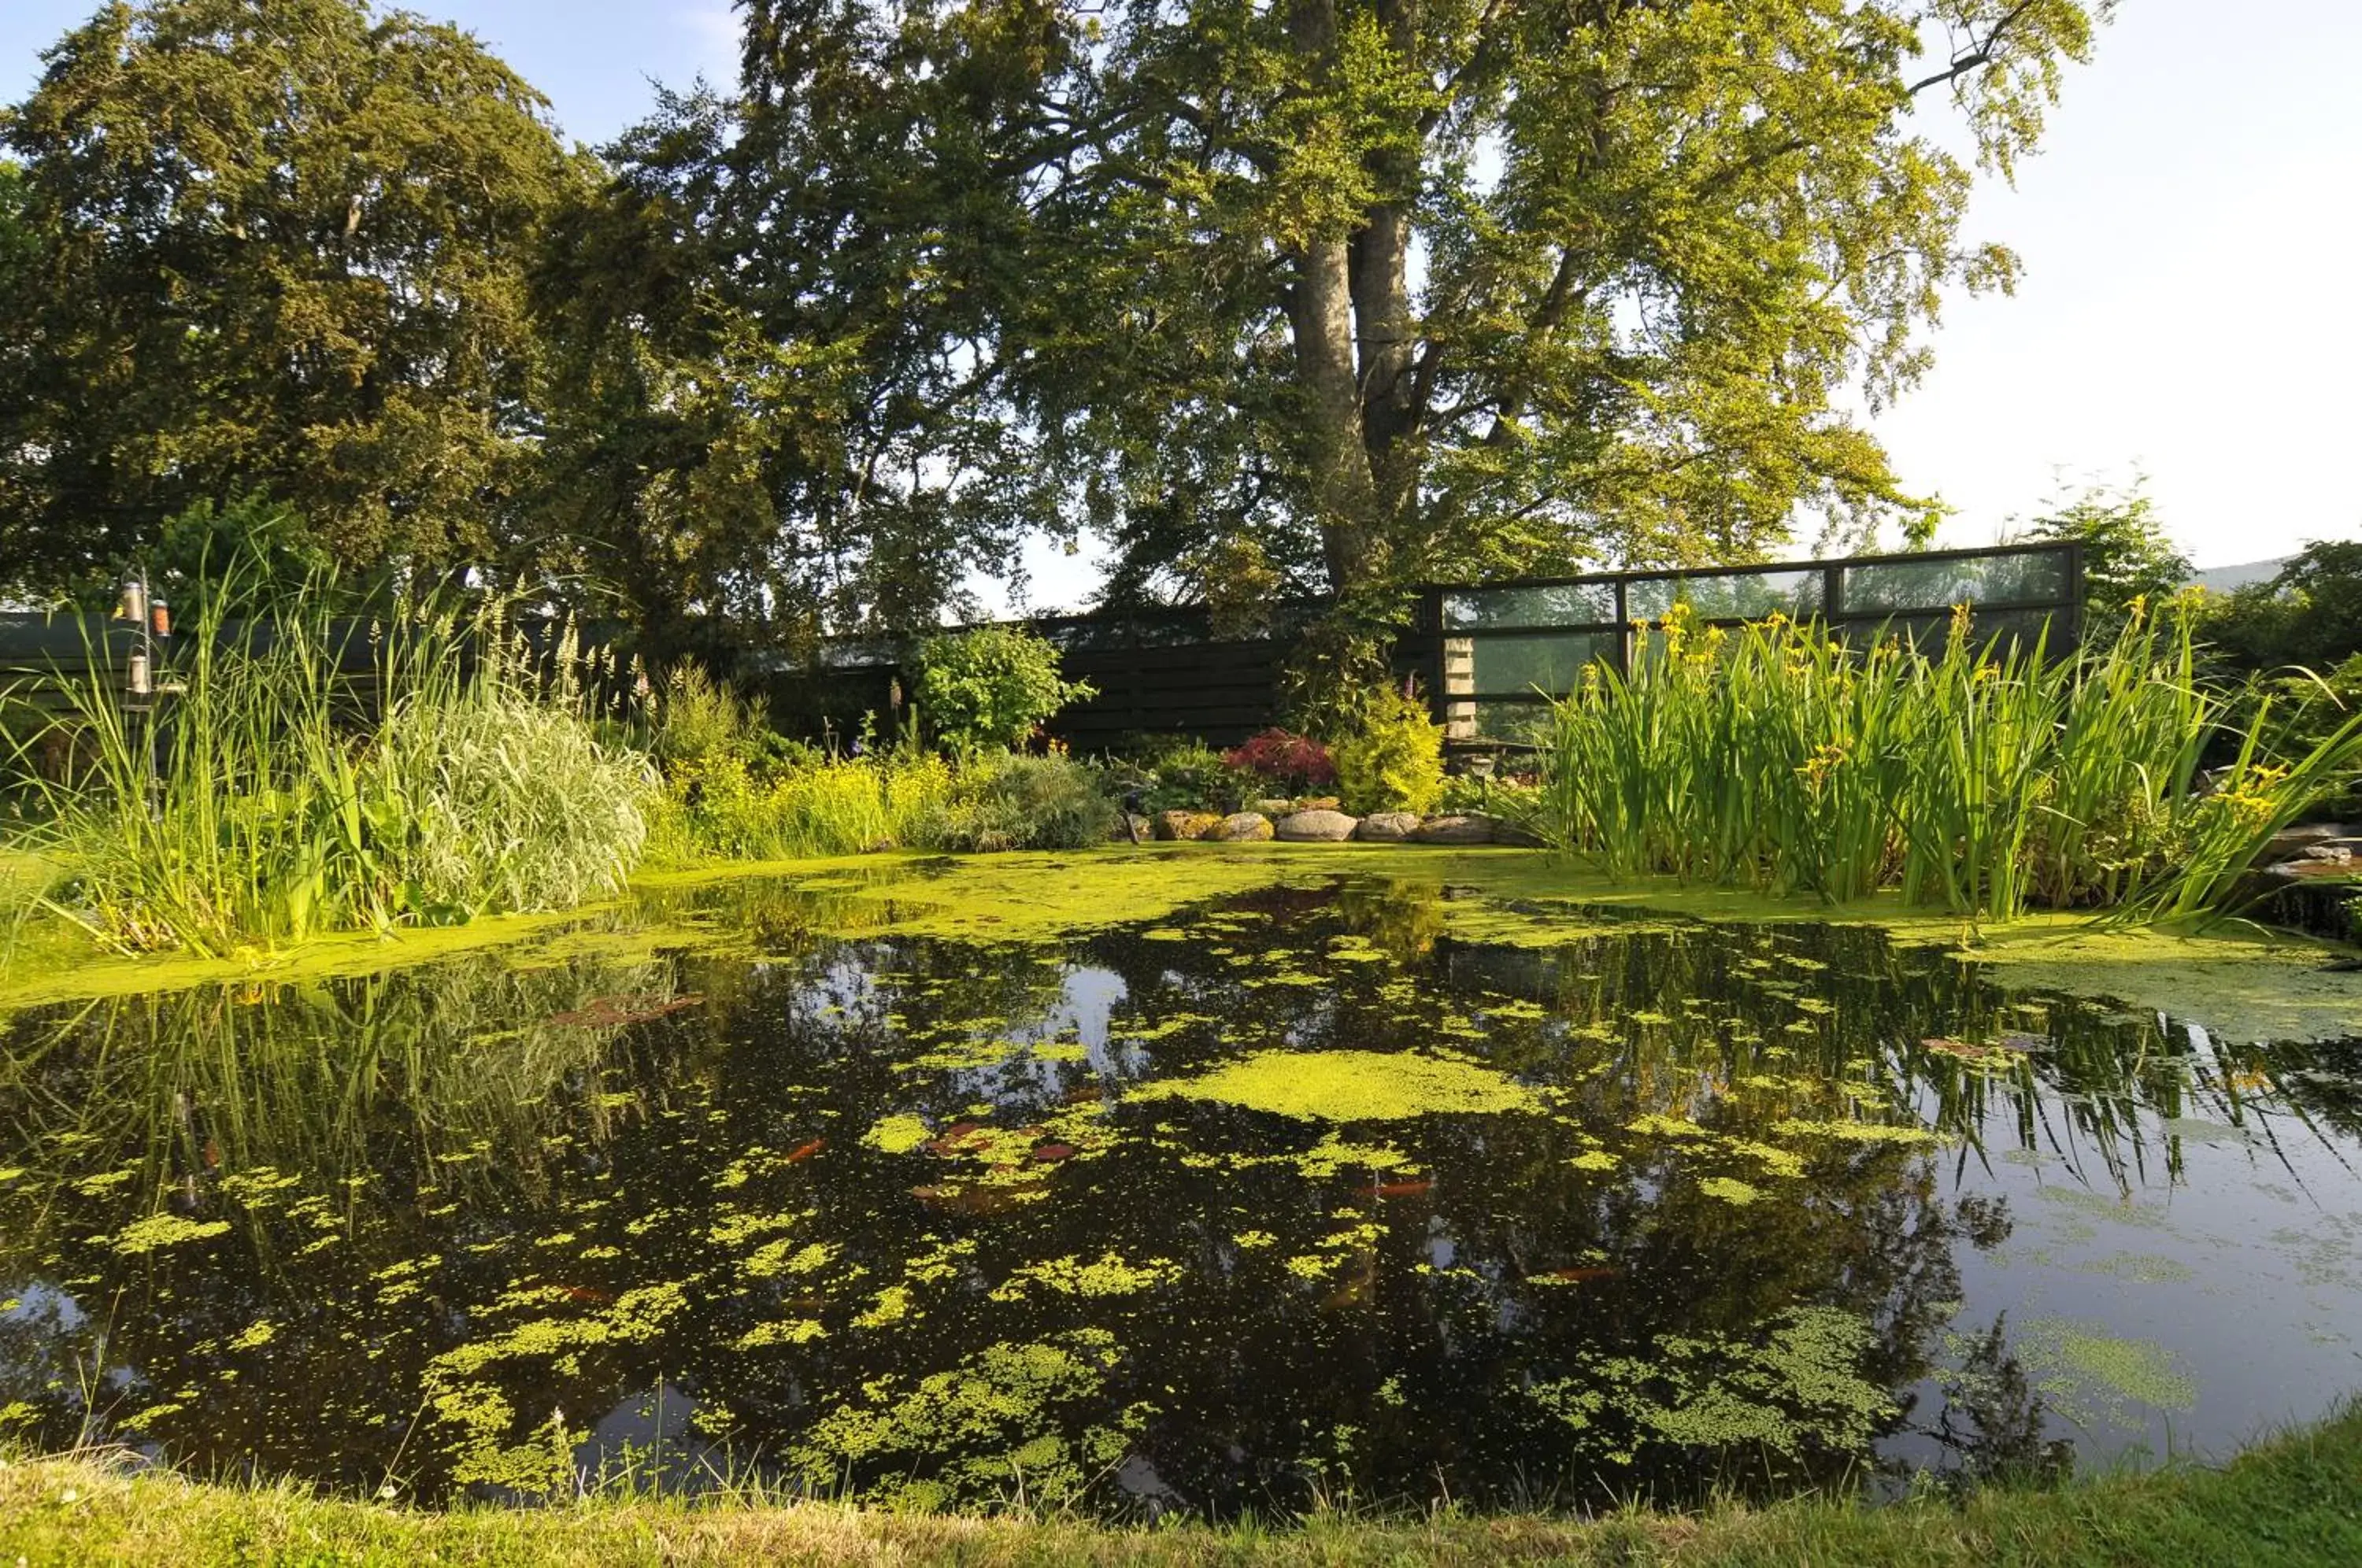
(1326, 1181)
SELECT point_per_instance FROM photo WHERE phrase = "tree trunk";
(1320, 321)
(1321, 317)
(1385, 334)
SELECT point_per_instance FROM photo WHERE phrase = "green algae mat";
(1188, 1182)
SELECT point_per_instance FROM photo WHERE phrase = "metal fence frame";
(1458, 710)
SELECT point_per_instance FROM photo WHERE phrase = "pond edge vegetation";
(2290, 1500)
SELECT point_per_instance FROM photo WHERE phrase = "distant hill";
(2224, 578)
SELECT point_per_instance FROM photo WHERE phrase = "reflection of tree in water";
(1991, 1420)
(547, 1216)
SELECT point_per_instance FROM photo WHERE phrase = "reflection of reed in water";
(297, 1118)
(454, 1073)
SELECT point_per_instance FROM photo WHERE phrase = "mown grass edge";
(2295, 1499)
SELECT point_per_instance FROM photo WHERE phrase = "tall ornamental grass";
(1981, 780)
(438, 781)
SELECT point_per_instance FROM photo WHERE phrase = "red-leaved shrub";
(1285, 760)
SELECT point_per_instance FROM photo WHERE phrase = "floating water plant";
(1352, 1086)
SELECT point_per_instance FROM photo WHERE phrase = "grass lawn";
(2296, 1499)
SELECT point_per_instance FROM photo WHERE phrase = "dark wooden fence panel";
(1172, 673)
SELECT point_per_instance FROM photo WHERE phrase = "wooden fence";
(1485, 654)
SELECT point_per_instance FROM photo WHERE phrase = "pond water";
(1346, 1184)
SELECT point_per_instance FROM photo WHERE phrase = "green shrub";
(722, 806)
(1189, 776)
(700, 719)
(990, 687)
(1013, 802)
(1391, 759)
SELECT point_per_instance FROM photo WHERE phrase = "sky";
(2189, 233)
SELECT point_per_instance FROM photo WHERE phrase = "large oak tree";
(1341, 294)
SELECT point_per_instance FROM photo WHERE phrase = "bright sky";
(2189, 234)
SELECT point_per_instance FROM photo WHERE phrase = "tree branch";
(1977, 58)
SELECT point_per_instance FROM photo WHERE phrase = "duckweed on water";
(1352, 1086)
(1011, 1207)
(1729, 1190)
(1803, 1383)
(158, 1231)
(2093, 1375)
(900, 1133)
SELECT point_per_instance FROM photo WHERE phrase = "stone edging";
(1320, 824)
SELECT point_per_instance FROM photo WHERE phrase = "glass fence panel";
(1514, 723)
(1515, 666)
(1748, 595)
(1557, 604)
(1977, 579)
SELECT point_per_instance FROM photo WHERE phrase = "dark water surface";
(1294, 1189)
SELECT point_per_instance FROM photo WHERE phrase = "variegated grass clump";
(302, 786)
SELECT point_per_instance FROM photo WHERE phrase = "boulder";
(1132, 829)
(1274, 807)
(2306, 869)
(1319, 803)
(1241, 827)
(1507, 832)
(1455, 830)
(1185, 824)
(1387, 827)
(1316, 826)
(2290, 842)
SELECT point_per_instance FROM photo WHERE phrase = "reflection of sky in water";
(683, 1238)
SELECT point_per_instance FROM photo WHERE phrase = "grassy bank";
(2296, 1499)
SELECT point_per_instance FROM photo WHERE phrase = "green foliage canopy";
(2307, 614)
(269, 246)
(1338, 294)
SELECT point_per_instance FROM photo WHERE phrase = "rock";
(1319, 803)
(1316, 826)
(1132, 829)
(1455, 830)
(1274, 807)
(1185, 824)
(2307, 868)
(1241, 827)
(2290, 842)
(1507, 832)
(1387, 827)
(2327, 853)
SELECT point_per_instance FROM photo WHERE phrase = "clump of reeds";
(1985, 778)
(312, 772)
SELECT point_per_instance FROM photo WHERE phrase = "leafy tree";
(2127, 554)
(762, 407)
(2307, 614)
(2326, 578)
(277, 247)
(1345, 293)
